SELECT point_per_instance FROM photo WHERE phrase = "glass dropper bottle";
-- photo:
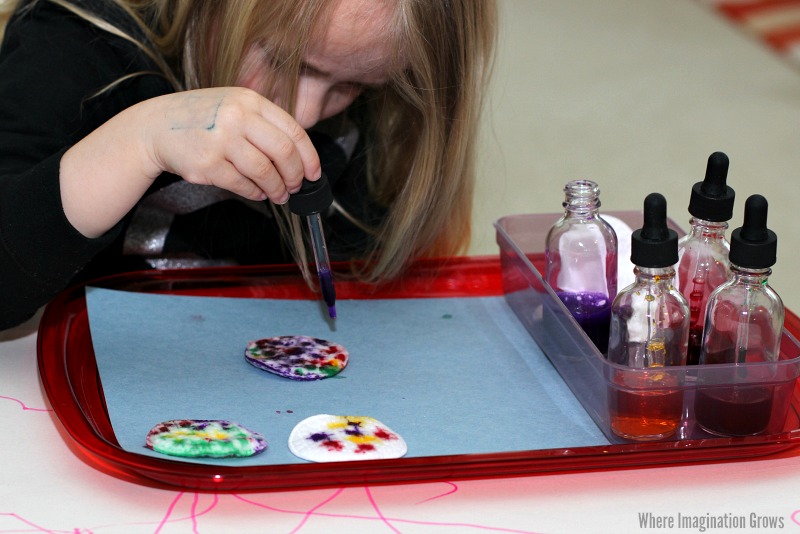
(703, 253)
(745, 315)
(649, 331)
(744, 324)
(581, 260)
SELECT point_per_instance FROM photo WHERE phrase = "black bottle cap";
(654, 245)
(712, 199)
(754, 246)
(313, 197)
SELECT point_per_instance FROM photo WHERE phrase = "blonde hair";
(6, 8)
(421, 128)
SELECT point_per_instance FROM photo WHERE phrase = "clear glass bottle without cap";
(581, 260)
(703, 253)
(744, 324)
(649, 331)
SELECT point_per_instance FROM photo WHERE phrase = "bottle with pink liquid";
(703, 253)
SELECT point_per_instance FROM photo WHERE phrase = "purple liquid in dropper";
(313, 198)
(328, 291)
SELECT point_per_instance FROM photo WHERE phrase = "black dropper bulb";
(654, 244)
(754, 246)
(712, 199)
(313, 197)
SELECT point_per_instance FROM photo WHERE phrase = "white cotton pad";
(340, 438)
(625, 276)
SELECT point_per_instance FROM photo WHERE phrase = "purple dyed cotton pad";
(297, 357)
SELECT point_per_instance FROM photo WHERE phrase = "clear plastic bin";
(747, 399)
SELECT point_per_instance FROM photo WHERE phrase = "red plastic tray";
(69, 374)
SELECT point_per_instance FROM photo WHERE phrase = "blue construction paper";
(450, 375)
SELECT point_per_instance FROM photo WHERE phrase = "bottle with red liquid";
(703, 253)
(581, 261)
(744, 324)
(649, 334)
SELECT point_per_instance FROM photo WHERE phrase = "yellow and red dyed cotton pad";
(194, 438)
(339, 438)
(297, 357)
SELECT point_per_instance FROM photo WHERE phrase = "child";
(170, 133)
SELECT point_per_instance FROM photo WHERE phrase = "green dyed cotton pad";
(195, 438)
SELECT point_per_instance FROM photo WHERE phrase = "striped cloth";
(775, 22)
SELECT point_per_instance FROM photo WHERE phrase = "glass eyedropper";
(309, 202)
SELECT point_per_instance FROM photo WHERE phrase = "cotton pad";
(194, 438)
(297, 357)
(339, 438)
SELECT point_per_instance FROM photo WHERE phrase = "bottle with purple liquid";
(581, 261)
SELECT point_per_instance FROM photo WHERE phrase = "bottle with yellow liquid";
(649, 334)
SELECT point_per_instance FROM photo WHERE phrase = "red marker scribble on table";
(378, 510)
(193, 515)
(380, 517)
(309, 513)
(25, 406)
(37, 528)
(453, 489)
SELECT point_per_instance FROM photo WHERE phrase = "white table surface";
(633, 94)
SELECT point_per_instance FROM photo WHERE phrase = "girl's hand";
(229, 137)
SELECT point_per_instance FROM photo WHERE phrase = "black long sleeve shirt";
(51, 63)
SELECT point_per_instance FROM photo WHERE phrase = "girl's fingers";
(227, 176)
(274, 145)
(283, 136)
(252, 148)
(253, 164)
